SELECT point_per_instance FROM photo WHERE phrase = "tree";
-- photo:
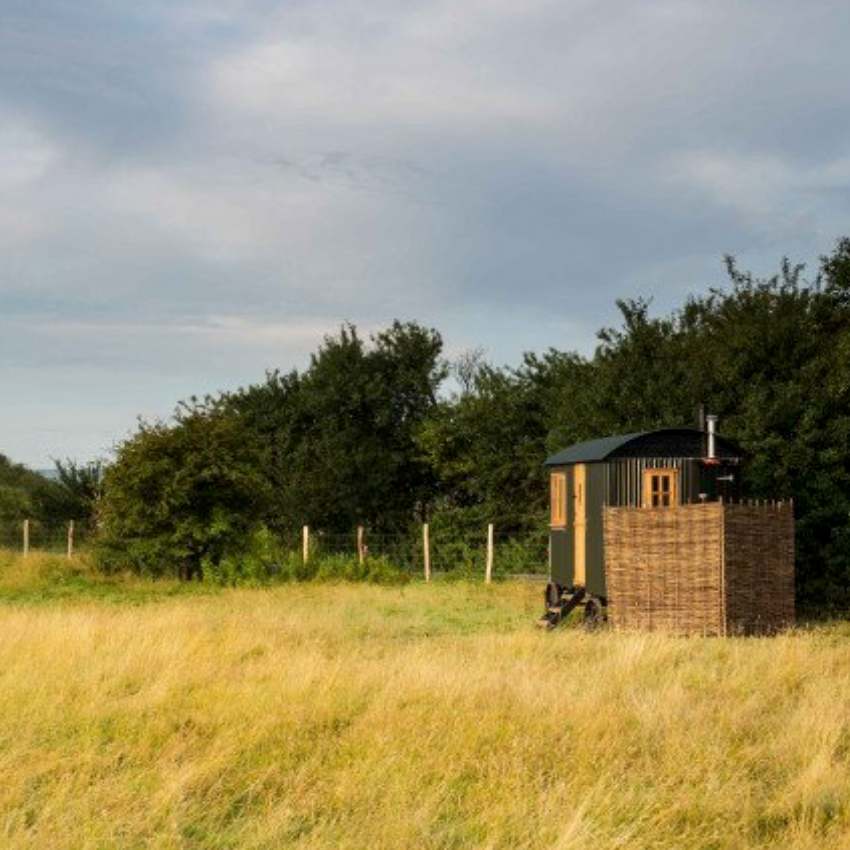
(339, 439)
(487, 443)
(180, 495)
(332, 447)
(74, 494)
(466, 369)
(25, 494)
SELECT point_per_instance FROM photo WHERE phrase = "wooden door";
(580, 524)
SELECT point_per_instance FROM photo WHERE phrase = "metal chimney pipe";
(711, 428)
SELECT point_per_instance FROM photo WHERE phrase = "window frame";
(558, 499)
(668, 473)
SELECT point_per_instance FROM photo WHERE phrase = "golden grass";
(35, 570)
(426, 716)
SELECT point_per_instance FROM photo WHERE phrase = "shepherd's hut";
(651, 528)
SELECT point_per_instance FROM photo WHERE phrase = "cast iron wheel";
(553, 595)
(594, 614)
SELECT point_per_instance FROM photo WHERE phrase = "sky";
(192, 193)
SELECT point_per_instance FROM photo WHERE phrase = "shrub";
(261, 560)
(266, 559)
(181, 498)
(346, 568)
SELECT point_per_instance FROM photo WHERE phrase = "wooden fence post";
(426, 549)
(361, 549)
(71, 539)
(305, 548)
(488, 576)
(26, 537)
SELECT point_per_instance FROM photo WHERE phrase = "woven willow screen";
(714, 569)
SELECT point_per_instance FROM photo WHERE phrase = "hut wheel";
(553, 595)
(594, 613)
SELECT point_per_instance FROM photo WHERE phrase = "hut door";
(580, 524)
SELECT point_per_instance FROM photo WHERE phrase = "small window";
(558, 492)
(660, 488)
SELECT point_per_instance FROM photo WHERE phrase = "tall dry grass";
(427, 717)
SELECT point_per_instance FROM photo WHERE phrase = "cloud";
(25, 156)
(191, 193)
(768, 195)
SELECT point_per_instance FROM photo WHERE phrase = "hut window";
(660, 488)
(558, 484)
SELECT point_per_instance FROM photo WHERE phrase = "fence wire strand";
(452, 552)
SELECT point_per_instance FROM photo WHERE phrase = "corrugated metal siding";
(625, 479)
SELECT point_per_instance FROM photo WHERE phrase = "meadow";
(142, 714)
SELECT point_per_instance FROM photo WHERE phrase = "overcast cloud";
(191, 193)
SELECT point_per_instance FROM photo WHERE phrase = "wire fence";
(458, 552)
(48, 537)
(450, 552)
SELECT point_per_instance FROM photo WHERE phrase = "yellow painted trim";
(580, 524)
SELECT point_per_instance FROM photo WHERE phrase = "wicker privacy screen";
(713, 568)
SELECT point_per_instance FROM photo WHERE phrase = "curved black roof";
(663, 442)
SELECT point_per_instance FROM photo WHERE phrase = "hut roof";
(662, 442)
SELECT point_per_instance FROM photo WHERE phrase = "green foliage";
(74, 494)
(521, 555)
(338, 441)
(258, 560)
(362, 437)
(460, 557)
(347, 568)
(22, 492)
(487, 444)
(333, 448)
(266, 559)
(181, 496)
(25, 494)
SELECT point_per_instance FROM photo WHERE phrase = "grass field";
(142, 715)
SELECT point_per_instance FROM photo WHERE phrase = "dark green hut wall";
(562, 557)
(562, 541)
